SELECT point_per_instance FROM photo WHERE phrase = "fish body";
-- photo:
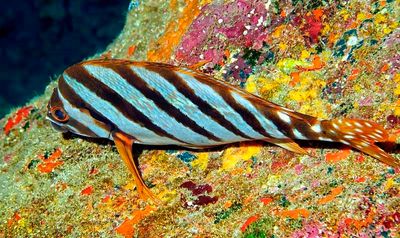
(160, 104)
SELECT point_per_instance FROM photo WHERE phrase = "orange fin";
(287, 144)
(124, 146)
(362, 135)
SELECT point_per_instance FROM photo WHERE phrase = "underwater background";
(325, 58)
(40, 38)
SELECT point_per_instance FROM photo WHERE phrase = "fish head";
(56, 113)
(66, 115)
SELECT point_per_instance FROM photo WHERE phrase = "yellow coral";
(397, 108)
(288, 65)
(282, 46)
(278, 31)
(233, 155)
(317, 109)
(251, 85)
(345, 14)
(201, 162)
(396, 111)
(305, 54)
(357, 88)
(361, 16)
(327, 28)
(396, 77)
(380, 18)
(273, 180)
(389, 184)
(397, 90)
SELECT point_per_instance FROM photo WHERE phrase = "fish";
(149, 103)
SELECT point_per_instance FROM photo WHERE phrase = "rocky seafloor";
(329, 59)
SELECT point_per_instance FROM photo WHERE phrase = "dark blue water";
(40, 38)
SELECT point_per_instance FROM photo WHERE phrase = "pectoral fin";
(124, 144)
(287, 144)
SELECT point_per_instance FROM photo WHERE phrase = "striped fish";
(160, 104)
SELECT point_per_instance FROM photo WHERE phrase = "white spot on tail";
(379, 132)
(374, 136)
(368, 124)
(358, 124)
(377, 135)
(350, 137)
(344, 142)
(358, 130)
(335, 126)
(364, 144)
(324, 139)
(284, 117)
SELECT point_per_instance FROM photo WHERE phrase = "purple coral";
(240, 23)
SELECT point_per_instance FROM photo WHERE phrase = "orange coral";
(334, 157)
(249, 221)
(332, 195)
(295, 213)
(266, 200)
(174, 32)
(126, 228)
(49, 164)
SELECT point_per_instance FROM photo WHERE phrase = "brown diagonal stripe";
(188, 92)
(246, 115)
(134, 80)
(69, 94)
(80, 74)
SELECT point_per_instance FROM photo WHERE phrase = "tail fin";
(361, 135)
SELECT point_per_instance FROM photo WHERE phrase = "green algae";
(226, 213)
(261, 228)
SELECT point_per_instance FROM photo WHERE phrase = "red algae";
(314, 25)
(14, 219)
(17, 118)
(87, 191)
(197, 191)
(266, 200)
(7, 158)
(50, 162)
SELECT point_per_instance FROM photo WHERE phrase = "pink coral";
(239, 23)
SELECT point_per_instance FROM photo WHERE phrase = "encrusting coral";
(323, 58)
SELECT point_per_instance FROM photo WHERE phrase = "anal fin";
(287, 144)
(373, 150)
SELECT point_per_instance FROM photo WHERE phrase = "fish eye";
(59, 114)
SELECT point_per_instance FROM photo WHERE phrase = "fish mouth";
(56, 126)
